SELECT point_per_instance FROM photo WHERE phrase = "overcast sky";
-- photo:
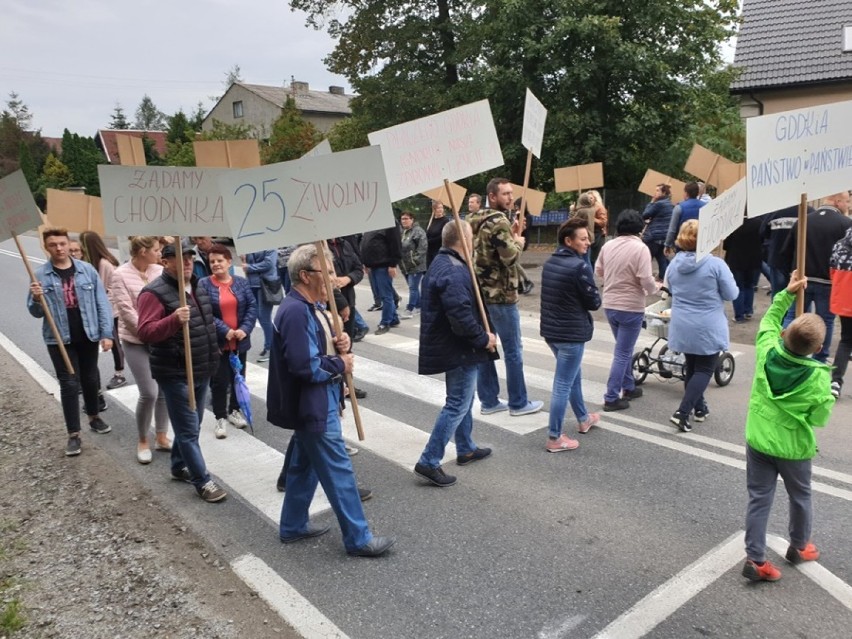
(70, 62)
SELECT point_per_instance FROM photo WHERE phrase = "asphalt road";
(636, 533)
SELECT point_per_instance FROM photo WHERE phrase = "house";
(105, 139)
(259, 106)
(793, 54)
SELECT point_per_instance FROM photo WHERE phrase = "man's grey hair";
(300, 260)
(451, 236)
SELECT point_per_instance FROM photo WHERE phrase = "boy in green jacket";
(791, 396)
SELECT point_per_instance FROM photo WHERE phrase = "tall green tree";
(54, 176)
(27, 165)
(19, 146)
(118, 120)
(292, 136)
(349, 133)
(19, 111)
(148, 116)
(178, 127)
(81, 155)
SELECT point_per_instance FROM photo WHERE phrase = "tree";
(148, 116)
(197, 117)
(232, 75)
(292, 136)
(118, 120)
(349, 133)
(54, 176)
(27, 165)
(19, 111)
(81, 156)
(178, 127)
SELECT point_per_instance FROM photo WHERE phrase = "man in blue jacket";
(78, 303)
(683, 212)
(306, 369)
(657, 216)
(452, 341)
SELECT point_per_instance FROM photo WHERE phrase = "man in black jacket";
(381, 252)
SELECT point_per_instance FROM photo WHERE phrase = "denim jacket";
(95, 308)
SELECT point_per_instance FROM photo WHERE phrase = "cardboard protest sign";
(440, 193)
(535, 199)
(75, 211)
(535, 115)
(131, 151)
(305, 200)
(18, 210)
(450, 145)
(719, 218)
(706, 165)
(652, 178)
(227, 154)
(729, 175)
(795, 152)
(580, 177)
(157, 200)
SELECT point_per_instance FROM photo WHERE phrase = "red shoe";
(808, 553)
(766, 572)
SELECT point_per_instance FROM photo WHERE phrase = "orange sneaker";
(766, 572)
(561, 444)
(797, 556)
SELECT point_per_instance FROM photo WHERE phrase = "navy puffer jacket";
(568, 293)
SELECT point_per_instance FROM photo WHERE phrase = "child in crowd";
(790, 396)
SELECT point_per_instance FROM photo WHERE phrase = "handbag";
(272, 291)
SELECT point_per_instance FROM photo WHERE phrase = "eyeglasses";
(312, 270)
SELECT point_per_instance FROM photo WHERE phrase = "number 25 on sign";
(270, 212)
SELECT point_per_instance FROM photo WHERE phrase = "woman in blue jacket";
(699, 326)
(568, 293)
(234, 313)
(262, 265)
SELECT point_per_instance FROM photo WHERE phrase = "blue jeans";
(817, 294)
(658, 253)
(625, 326)
(454, 418)
(264, 316)
(567, 384)
(506, 322)
(384, 287)
(322, 458)
(413, 280)
(778, 279)
(746, 281)
(360, 324)
(187, 424)
(284, 276)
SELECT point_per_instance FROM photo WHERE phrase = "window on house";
(238, 109)
(847, 38)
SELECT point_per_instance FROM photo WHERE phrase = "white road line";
(307, 620)
(656, 607)
(37, 260)
(558, 629)
(42, 377)
(822, 577)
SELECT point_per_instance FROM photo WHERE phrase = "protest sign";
(308, 199)
(156, 200)
(450, 145)
(75, 211)
(706, 165)
(535, 199)
(18, 210)
(535, 115)
(131, 151)
(227, 154)
(729, 175)
(440, 193)
(579, 177)
(794, 152)
(323, 148)
(719, 218)
(652, 178)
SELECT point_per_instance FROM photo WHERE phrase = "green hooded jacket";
(790, 396)
(496, 256)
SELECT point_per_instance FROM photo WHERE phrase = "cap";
(169, 249)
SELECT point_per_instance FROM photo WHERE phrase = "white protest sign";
(18, 210)
(534, 117)
(720, 217)
(794, 152)
(309, 199)
(419, 155)
(156, 200)
(323, 148)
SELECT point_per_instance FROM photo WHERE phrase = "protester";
(744, 261)
(380, 252)
(81, 311)
(698, 326)
(789, 398)
(234, 313)
(413, 262)
(625, 266)
(260, 269)
(453, 341)
(161, 321)
(657, 216)
(686, 210)
(774, 230)
(497, 248)
(128, 280)
(98, 255)
(435, 228)
(474, 203)
(601, 226)
(303, 395)
(201, 261)
(568, 293)
(840, 266)
(283, 254)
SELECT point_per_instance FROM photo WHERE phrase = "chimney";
(299, 87)
(336, 90)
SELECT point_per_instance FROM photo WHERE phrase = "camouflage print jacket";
(496, 256)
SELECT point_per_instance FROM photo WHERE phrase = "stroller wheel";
(641, 366)
(725, 368)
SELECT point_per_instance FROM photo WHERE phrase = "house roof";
(105, 138)
(784, 43)
(307, 100)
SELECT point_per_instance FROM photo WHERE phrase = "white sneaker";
(835, 390)
(237, 418)
(220, 431)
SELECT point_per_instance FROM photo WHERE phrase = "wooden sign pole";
(338, 330)
(187, 351)
(44, 306)
(801, 249)
(523, 208)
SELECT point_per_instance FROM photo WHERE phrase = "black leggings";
(223, 382)
(698, 371)
(84, 359)
(117, 351)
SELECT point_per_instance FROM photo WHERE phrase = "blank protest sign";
(720, 217)
(535, 116)
(227, 154)
(76, 212)
(578, 177)
(18, 210)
